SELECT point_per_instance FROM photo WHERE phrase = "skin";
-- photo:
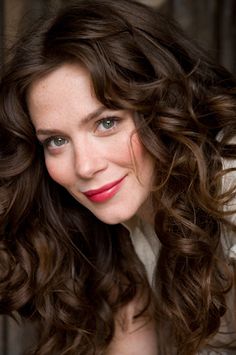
(88, 146)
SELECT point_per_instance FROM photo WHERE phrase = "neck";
(146, 211)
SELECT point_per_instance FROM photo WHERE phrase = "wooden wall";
(211, 22)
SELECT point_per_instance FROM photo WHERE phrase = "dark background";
(212, 23)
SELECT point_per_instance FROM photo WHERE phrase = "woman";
(117, 185)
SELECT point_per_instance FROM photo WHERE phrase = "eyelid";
(114, 119)
(109, 117)
(46, 142)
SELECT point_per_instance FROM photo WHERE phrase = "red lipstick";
(105, 192)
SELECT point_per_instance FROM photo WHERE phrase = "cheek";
(58, 171)
(119, 151)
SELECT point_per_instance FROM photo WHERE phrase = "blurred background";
(211, 23)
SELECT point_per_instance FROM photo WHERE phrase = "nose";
(88, 160)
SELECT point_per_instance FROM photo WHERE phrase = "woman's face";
(92, 151)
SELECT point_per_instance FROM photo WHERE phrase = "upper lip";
(103, 188)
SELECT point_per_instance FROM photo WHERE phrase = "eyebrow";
(84, 121)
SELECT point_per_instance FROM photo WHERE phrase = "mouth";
(105, 192)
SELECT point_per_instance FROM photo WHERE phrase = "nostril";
(87, 165)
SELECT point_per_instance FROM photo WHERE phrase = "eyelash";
(46, 143)
(115, 120)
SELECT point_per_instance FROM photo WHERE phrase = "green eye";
(54, 142)
(58, 141)
(108, 124)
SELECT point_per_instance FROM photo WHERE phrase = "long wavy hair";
(61, 267)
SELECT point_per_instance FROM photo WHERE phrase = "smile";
(105, 192)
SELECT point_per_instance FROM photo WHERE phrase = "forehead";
(66, 90)
(68, 76)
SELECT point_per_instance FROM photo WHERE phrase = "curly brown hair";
(59, 263)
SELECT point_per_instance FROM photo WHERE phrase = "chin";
(115, 219)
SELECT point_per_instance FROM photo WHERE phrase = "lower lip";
(107, 194)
